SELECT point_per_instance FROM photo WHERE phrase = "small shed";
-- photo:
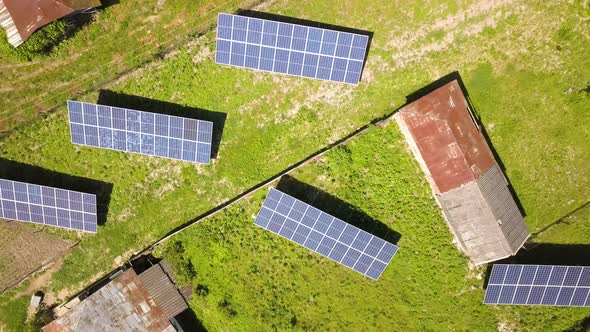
(467, 182)
(130, 302)
(20, 18)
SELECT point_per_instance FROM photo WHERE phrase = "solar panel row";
(325, 234)
(140, 132)
(290, 48)
(539, 285)
(47, 206)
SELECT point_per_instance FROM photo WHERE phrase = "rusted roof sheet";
(451, 145)
(20, 18)
(158, 281)
(124, 304)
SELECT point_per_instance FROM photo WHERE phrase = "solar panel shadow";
(554, 253)
(336, 207)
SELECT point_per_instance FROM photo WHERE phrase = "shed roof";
(158, 281)
(20, 18)
(450, 143)
(123, 304)
(468, 183)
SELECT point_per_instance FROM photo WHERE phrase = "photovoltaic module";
(290, 48)
(324, 234)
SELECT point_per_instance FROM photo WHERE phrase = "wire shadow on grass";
(456, 76)
(563, 219)
(16, 171)
(336, 207)
(309, 23)
(111, 98)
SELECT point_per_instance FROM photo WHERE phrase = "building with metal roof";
(467, 182)
(128, 302)
(20, 18)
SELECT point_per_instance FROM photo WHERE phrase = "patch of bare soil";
(506, 327)
(445, 24)
(40, 280)
(204, 53)
(24, 250)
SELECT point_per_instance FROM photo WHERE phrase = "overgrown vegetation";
(525, 66)
(176, 255)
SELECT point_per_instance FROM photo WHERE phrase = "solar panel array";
(325, 234)
(140, 132)
(550, 285)
(47, 206)
(290, 48)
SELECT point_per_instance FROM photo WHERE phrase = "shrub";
(202, 290)
(183, 267)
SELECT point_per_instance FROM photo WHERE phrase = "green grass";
(531, 100)
(38, 44)
(258, 281)
(271, 283)
(13, 313)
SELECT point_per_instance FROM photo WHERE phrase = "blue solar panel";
(47, 206)
(290, 49)
(140, 132)
(539, 285)
(325, 234)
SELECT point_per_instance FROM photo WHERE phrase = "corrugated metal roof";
(484, 218)
(20, 18)
(450, 143)
(124, 304)
(7, 23)
(160, 285)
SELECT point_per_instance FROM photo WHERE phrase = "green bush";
(39, 43)
(183, 267)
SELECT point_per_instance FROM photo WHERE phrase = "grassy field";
(250, 279)
(526, 69)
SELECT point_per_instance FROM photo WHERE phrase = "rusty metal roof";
(158, 281)
(449, 141)
(20, 18)
(123, 304)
